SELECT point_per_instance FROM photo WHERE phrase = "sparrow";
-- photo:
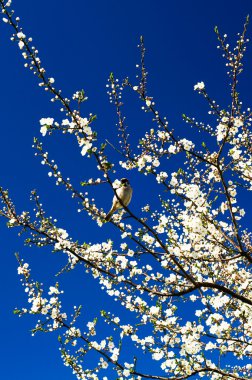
(124, 192)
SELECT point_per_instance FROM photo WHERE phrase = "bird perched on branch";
(123, 198)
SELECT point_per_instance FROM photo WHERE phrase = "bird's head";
(124, 181)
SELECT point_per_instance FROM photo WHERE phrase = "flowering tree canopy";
(183, 271)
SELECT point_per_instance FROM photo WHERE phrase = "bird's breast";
(125, 194)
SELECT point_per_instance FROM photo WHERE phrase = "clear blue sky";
(80, 43)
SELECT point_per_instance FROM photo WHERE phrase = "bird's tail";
(109, 215)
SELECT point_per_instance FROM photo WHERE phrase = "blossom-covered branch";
(187, 249)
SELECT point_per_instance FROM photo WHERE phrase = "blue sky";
(80, 45)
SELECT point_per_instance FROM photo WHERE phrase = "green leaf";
(103, 146)
(92, 118)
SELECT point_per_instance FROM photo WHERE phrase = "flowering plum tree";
(183, 272)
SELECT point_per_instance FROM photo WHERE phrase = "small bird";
(124, 192)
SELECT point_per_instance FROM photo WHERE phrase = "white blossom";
(199, 86)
